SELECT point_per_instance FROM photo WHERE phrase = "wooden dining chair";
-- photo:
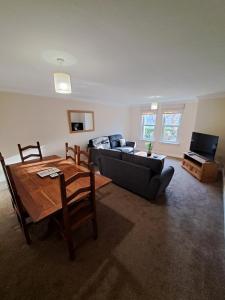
(83, 157)
(22, 216)
(22, 149)
(70, 152)
(76, 213)
(7, 179)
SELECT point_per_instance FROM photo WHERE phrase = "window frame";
(162, 140)
(143, 126)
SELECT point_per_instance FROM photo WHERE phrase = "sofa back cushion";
(101, 142)
(130, 176)
(110, 153)
(115, 140)
(155, 165)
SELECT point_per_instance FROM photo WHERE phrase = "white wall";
(210, 119)
(26, 119)
(187, 126)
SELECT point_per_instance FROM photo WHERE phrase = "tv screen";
(204, 144)
(77, 126)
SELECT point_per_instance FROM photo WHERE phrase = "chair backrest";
(70, 152)
(4, 167)
(22, 149)
(18, 206)
(2, 160)
(88, 189)
(115, 140)
(11, 185)
(83, 157)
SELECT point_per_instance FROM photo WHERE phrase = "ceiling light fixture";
(62, 81)
(154, 106)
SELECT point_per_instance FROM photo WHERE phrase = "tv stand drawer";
(205, 172)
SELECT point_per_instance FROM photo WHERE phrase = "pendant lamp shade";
(62, 83)
(154, 106)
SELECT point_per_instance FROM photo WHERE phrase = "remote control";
(47, 172)
(54, 175)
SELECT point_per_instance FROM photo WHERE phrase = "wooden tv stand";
(203, 170)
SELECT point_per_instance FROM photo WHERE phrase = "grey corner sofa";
(141, 175)
(111, 142)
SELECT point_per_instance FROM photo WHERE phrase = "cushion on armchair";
(101, 142)
(115, 140)
(122, 142)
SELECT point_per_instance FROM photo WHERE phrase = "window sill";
(170, 143)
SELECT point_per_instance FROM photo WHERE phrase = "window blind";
(146, 110)
(173, 108)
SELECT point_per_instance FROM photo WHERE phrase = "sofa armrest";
(131, 144)
(160, 182)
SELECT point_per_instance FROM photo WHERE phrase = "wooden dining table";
(41, 196)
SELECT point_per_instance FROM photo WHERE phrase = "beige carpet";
(171, 249)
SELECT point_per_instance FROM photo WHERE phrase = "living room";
(150, 76)
(201, 115)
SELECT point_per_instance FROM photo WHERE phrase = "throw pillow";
(122, 142)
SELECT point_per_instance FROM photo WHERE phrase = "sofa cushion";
(125, 149)
(155, 165)
(101, 142)
(130, 176)
(115, 140)
(111, 153)
(122, 142)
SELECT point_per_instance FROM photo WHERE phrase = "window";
(148, 126)
(170, 127)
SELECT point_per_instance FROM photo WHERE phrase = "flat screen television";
(204, 144)
(77, 126)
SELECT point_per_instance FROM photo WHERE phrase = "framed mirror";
(80, 121)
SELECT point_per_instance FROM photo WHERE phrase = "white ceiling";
(119, 51)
